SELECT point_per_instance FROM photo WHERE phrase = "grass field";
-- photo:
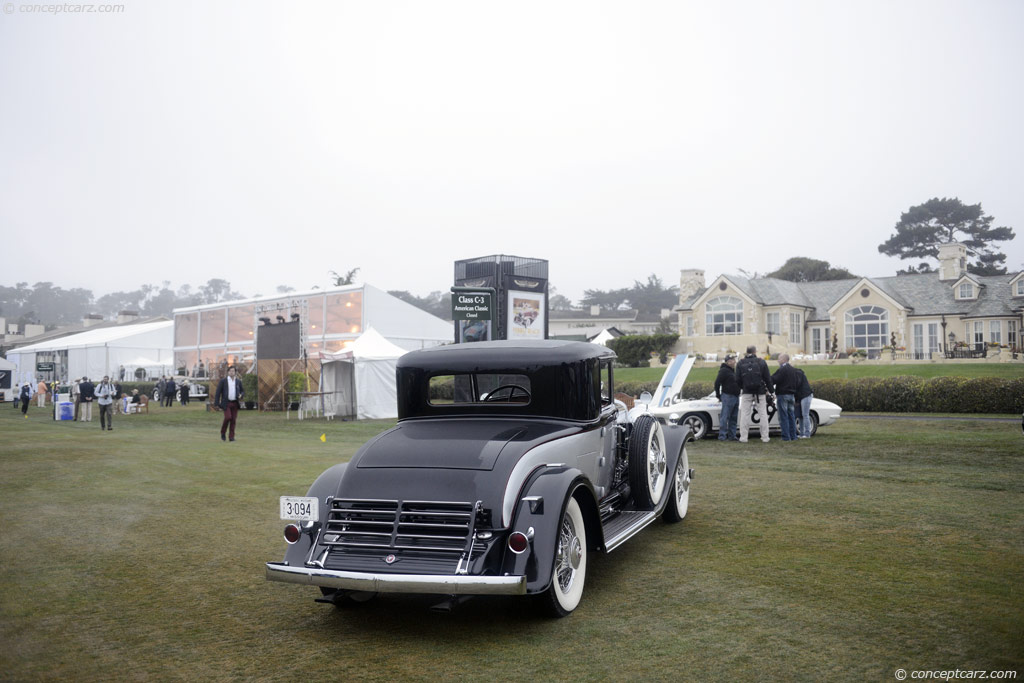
(816, 372)
(877, 545)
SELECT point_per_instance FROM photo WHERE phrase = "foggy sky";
(268, 143)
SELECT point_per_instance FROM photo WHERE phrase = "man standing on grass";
(87, 391)
(727, 390)
(41, 393)
(786, 383)
(105, 397)
(228, 398)
(755, 383)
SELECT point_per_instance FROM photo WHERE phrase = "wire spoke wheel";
(570, 566)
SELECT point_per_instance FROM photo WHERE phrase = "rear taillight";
(518, 542)
(292, 533)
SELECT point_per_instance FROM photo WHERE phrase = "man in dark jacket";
(727, 390)
(87, 390)
(755, 383)
(228, 398)
(804, 396)
(786, 383)
(169, 390)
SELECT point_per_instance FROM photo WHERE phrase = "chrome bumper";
(444, 584)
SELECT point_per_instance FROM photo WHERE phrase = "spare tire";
(647, 462)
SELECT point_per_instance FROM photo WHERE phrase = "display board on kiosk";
(520, 297)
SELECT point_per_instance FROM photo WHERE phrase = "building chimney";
(127, 317)
(691, 281)
(92, 319)
(952, 261)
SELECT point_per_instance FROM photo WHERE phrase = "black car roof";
(503, 354)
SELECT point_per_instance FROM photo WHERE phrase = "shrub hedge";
(901, 394)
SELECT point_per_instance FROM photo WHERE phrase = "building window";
(933, 338)
(795, 328)
(724, 316)
(1011, 333)
(1019, 291)
(867, 329)
(773, 322)
(966, 291)
(979, 334)
(689, 326)
(995, 332)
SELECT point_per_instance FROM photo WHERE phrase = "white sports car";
(702, 414)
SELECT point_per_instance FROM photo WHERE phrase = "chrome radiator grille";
(408, 525)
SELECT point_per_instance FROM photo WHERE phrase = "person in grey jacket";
(105, 397)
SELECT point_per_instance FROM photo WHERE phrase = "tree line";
(917, 235)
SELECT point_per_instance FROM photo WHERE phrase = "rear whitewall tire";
(570, 570)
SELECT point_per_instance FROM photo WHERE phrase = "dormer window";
(1018, 288)
(966, 291)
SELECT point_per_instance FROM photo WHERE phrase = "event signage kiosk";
(519, 303)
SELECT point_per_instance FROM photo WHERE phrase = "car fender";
(541, 508)
(322, 488)
(676, 436)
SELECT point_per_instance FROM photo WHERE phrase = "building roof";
(77, 328)
(921, 294)
(585, 314)
(96, 337)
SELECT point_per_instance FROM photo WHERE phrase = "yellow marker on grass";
(323, 437)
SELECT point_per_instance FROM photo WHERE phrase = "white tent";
(102, 351)
(7, 384)
(360, 380)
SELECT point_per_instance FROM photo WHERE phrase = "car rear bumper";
(444, 584)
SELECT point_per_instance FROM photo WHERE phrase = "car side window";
(607, 395)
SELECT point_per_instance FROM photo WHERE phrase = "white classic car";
(702, 414)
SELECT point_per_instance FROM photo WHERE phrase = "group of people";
(84, 393)
(167, 388)
(746, 384)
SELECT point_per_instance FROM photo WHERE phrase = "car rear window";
(479, 389)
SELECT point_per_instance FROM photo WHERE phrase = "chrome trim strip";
(444, 584)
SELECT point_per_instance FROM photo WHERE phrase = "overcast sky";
(268, 143)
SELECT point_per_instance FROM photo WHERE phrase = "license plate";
(300, 508)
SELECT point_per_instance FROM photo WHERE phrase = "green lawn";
(816, 372)
(877, 545)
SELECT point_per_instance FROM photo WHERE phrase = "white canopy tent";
(7, 383)
(99, 352)
(360, 381)
(152, 368)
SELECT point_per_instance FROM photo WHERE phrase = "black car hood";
(460, 444)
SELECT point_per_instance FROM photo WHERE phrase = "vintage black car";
(511, 462)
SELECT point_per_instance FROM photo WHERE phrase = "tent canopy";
(99, 352)
(368, 367)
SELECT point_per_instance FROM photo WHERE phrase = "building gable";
(858, 290)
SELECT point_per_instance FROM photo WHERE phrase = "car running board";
(625, 526)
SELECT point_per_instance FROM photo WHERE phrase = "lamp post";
(945, 350)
